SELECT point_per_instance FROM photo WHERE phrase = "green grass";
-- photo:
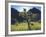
(24, 26)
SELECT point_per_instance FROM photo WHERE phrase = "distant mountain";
(35, 10)
(14, 13)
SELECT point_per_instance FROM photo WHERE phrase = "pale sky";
(20, 8)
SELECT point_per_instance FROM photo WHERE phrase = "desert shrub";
(36, 26)
(39, 21)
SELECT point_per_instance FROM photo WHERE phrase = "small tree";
(27, 18)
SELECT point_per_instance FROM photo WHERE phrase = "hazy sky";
(20, 8)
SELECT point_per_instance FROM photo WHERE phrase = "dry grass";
(24, 26)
